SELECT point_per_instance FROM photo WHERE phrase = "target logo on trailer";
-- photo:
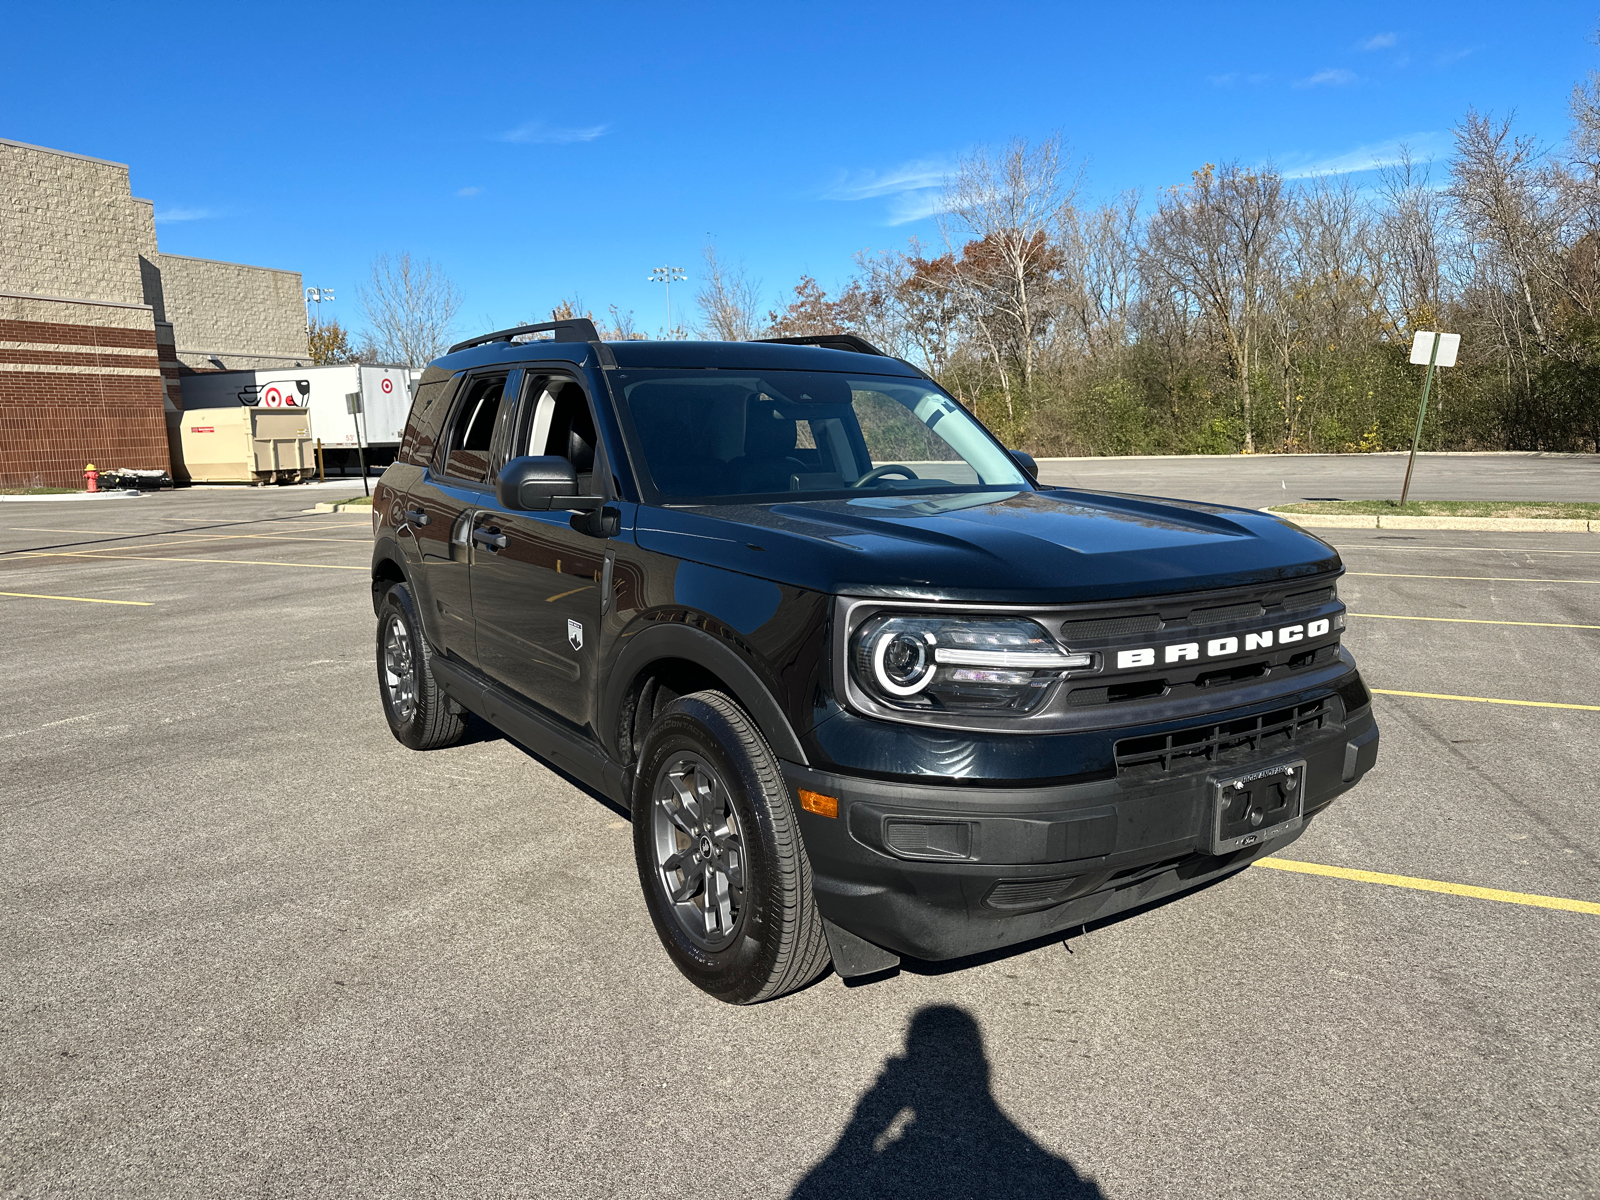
(285, 393)
(387, 385)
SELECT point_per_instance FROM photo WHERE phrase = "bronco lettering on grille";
(1222, 647)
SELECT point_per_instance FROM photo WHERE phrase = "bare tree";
(410, 306)
(622, 328)
(1499, 199)
(729, 300)
(1005, 208)
(911, 304)
(1100, 274)
(1216, 241)
(1412, 233)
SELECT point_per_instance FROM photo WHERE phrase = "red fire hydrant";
(93, 477)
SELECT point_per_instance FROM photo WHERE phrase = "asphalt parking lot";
(250, 945)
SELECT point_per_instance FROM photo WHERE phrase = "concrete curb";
(120, 494)
(1458, 524)
(338, 508)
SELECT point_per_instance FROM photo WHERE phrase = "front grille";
(1105, 627)
(1228, 612)
(1307, 599)
(1227, 742)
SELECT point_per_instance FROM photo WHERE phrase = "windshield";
(712, 436)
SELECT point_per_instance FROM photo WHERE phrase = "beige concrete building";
(97, 325)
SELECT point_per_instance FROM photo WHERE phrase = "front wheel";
(725, 876)
(420, 715)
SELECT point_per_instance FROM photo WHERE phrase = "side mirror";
(529, 484)
(1025, 461)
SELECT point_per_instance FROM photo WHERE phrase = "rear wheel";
(420, 715)
(725, 876)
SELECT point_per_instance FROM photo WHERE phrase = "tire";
(420, 715)
(725, 875)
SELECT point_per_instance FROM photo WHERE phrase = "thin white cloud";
(541, 133)
(908, 177)
(1454, 56)
(183, 214)
(1378, 41)
(916, 205)
(914, 190)
(1371, 157)
(470, 191)
(1332, 77)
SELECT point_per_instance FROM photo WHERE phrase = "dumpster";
(251, 444)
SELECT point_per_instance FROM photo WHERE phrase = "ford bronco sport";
(867, 688)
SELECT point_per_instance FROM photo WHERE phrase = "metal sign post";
(352, 404)
(1437, 350)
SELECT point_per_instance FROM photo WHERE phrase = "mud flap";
(854, 956)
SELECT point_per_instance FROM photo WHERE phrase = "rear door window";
(471, 442)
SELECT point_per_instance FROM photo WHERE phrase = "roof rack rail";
(574, 329)
(831, 341)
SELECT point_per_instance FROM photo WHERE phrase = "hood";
(1050, 546)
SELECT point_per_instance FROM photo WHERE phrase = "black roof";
(737, 356)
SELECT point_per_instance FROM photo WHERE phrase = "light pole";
(668, 276)
(317, 296)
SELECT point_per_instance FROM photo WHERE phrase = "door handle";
(417, 517)
(489, 540)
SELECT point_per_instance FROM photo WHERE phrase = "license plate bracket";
(1257, 806)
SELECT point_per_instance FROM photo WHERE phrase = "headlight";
(965, 664)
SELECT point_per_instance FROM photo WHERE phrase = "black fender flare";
(387, 549)
(672, 640)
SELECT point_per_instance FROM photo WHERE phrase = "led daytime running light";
(1037, 659)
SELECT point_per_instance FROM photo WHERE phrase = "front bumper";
(944, 871)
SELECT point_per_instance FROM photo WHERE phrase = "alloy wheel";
(399, 669)
(699, 853)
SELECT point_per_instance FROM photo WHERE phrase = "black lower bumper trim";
(942, 871)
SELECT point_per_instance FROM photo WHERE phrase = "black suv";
(866, 687)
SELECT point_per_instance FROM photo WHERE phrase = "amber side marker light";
(816, 802)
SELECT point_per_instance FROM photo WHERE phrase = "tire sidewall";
(738, 971)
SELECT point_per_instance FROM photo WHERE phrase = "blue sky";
(536, 150)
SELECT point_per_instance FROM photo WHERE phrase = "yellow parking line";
(1431, 885)
(231, 562)
(1487, 700)
(79, 599)
(269, 537)
(1448, 549)
(1470, 621)
(564, 595)
(1471, 578)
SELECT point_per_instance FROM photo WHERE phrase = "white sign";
(1422, 348)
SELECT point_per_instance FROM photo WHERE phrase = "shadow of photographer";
(930, 1127)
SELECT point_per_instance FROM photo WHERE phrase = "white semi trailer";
(321, 391)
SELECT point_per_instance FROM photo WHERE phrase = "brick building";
(97, 326)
